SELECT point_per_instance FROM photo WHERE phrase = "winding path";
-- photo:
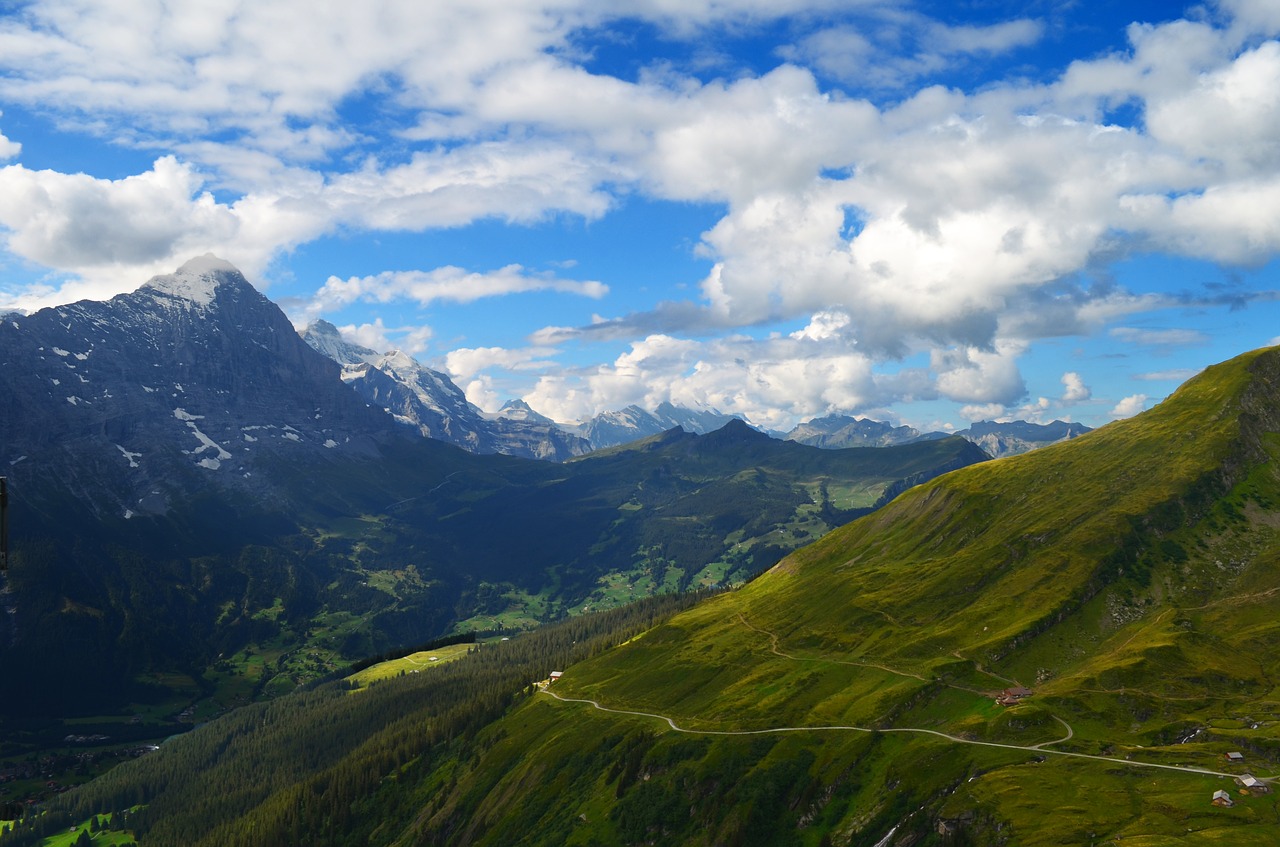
(1038, 749)
(1041, 748)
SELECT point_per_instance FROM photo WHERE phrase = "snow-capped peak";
(325, 338)
(399, 360)
(518, 410)
(196, 281)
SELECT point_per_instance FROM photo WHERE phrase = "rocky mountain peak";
(195, 372)
(197, 281)
(518, 410)
(325, 338)
(401, 361)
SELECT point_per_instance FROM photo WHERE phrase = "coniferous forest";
(329, 765)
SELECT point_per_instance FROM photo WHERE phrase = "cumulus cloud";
(1074, 389)
(482, 393)
(1037, 411)
(1129, 406)
(8, 149)
(116, 233)
(982, 412)
(774, 382)
(378, 337)
(972, 375)
(933, 221)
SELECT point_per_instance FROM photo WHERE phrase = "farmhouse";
(1252, 784)
(556, 675)
(1235, 757)
(1222, 798)
(1013, 696)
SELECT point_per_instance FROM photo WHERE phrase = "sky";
(927, 213)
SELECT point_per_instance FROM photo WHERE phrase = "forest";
(311, 768)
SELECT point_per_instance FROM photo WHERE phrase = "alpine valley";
(1077, 645)
(206, 511)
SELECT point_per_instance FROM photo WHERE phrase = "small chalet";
(1252, 784)
(1013, 696)
(556, 675)
(1222, 798)
(1235, 758)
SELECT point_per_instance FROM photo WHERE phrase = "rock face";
(193, 378)
(429, 402)
(1015, 437)
(838, 431)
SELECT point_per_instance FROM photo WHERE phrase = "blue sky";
(922, 212)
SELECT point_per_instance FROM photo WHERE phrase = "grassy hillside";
(1129, 578)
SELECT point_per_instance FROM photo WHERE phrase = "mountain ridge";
(428, 402)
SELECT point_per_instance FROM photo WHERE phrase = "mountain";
(997, 439)
(837, 431)
(610, 429)
(518, 410)
(428, 401)
(1015, 437)
(186, 385)
(1056, 648)
(204, 512)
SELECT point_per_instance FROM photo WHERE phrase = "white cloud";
(996, 38)
(773, 382)
(117, 233)
(983, 412)
(971, 375)
(1253, 16)
(941, 221)
(465, 363)
(446, 283)
(8, 149)
(481, 392)
(824, 325)
(1074, 389)
(891, 48)
(1037, 411)
(515, 182)
(1229, 115)
(1129, 406)
(378, 337)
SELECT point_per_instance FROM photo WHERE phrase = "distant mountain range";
(997, 439)
(430, 402)
(189, 479)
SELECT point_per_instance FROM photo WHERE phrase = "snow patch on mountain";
(131, 457)
(206, 443)
(196, 282)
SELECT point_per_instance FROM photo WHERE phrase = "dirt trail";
(1036, 749)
